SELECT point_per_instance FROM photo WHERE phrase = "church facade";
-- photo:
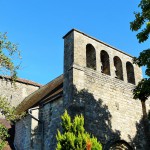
(14, 94)
(98, 80)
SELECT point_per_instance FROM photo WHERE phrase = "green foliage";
(3, 136)
(140, 18)
(142, 23)
(142, 90)
(8, 51)
(74, 136)
(144, 60)
(8, 111)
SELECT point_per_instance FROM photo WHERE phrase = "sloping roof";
(52, 95)
(22, 81)
(38, 95)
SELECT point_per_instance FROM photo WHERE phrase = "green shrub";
(3, 136)
(74, 136)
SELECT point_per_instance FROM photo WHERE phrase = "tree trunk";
(144, 110)
(146, 125)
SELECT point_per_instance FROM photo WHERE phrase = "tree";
(142, 90)
(140, 18)
(3, 136)
(8, 51)
(7, 67)
(74, 136)
(9, 112)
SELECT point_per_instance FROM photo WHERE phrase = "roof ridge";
(96, 40)
(22, 81)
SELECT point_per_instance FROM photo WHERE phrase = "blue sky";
(39, 25)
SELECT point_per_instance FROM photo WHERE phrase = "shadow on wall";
(11, 132)
(140, 141)
(97, 117)
(98, 122)
(34, 137)
(139, 138)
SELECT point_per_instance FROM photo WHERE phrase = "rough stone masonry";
(102, 91)
(98, 81)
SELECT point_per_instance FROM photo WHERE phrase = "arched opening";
(105, 62)
(130, 73)
(118, 66)
(90, 57)
(119, 145)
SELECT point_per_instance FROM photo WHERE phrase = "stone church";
(98, 80)
(14, 95)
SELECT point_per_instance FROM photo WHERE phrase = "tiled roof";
(37, 96)
(22, 81)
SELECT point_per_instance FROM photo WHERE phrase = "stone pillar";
(124, 71)
(98, 62)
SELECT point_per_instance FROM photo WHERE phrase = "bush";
(74, 136)
(3, 136)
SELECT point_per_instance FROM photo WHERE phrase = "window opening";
(105, 62)
(118, 67)
(130, 73)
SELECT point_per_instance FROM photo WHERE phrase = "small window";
(130, 73)
(90, 57)
(105, 62)
(118, 66)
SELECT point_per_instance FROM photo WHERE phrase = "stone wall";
(22, 139)
(36, 130)
(46, 130)
(111, 114)
(15, 94)
(50, 114)
(40, 135)
(107, 103)
(28, 132)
